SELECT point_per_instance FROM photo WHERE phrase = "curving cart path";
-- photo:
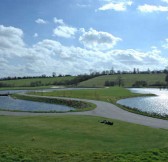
(103, 109)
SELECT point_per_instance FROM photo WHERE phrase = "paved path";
(103, 109)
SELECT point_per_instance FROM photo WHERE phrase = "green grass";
(128, 79)
(112, 94)
(24, 88)
(79, 138)
(26, 82)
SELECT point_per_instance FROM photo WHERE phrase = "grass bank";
(79, 138)
(135, 110)
(43, 81)
(24, 88)
(128, 79)
(78, 105)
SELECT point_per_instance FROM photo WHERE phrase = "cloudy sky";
(74, 36)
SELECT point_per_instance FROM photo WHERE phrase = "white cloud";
(65, 31)
(165, 44)
(83, 5)
(47, 56)
(11, 41)
(41, 21)
(35, 35)
(10, 36)
(82, 30)
(58, 21)
(152, 8)
(98, 40)
(166, 1)
(117, 6)
(130, 58)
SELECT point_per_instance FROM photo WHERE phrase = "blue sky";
(76, 36)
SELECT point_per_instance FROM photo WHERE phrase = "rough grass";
(79, 138)
(128, 79)
(11, 154)
(26, 82)
(24, 88)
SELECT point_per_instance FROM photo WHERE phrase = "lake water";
(8, 103)
(153, 104)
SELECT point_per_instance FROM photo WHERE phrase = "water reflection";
(8, 103)
(155, 104)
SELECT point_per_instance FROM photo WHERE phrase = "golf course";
(83, 81)
(80, 136)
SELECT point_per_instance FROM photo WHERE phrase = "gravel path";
(104, 109)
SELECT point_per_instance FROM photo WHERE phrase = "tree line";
(92, 73)
(83, 77)
(74, 81)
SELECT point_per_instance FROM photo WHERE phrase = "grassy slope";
(26, 82)
(24, 88)
(128, 79)
(78, 138)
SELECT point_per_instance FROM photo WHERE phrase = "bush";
(36, 83)
(158, 84)
(109, 83)
(5, 85)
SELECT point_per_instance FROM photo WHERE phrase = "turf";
(78, 138)
(128, 79)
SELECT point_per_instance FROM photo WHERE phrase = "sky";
(79, 36)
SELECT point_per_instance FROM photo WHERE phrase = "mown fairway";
(128, 79)
(78, 138)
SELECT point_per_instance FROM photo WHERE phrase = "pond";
(153, 104)
(8, 103)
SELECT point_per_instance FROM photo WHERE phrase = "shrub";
(140, 84)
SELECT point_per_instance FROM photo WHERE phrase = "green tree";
(120, 81)
(54, 74)
(166, 79)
